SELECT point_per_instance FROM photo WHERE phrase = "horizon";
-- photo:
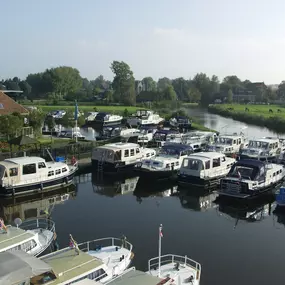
(157, 39)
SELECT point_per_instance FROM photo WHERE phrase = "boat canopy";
(19, 266)
(176, 148)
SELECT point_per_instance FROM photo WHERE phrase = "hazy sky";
(156, 38)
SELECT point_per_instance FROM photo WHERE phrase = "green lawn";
(261, 110)
(111, 109)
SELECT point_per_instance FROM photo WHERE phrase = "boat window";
(223, 159)
(58, 171)
(26, 246)
(137, 150)
(118, 155)
(239, 141)
(64, 169)
(270, 146)
(216, 162)
(177, 163)
(50, 173)
(234, 142)
(29, 169)
(126, 153)
(132, 152)
(193, 164)
(148, 154)
(207, 164)
(41, 165)
(5, 174)
(13, 172)
(274, 174)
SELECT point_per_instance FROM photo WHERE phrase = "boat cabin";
(161, 136)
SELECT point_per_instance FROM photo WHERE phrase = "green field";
(82, 108)
(260, 110)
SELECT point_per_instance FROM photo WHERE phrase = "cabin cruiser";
(146, 134)
(163, 135)
(91, 116)
(119, 131)
(228, 144)
(108, 119)
(165, 164)
(181, 122)
(143, 118)
(204, 169)
(248, 178)
(33, 236)
(72, 133)
(119, 157)
(31, 174)
(58, 114)
(98, 260)
(268, 149)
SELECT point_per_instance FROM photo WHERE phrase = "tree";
(109, 96)
(203, 83)
(163, 83)
(64, 79)
(68, 119)
(25, 87)
(150, 84)
(232, 82)
(36, 119)
(169, 94)
(230, 96)
(10, 125)
(193, 95)
(181, 87)
(123, 83)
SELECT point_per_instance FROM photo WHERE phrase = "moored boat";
(106, 119)
(31, 174)
(250, 178)
(165, 164)
(204, 169)
(89, 260)
(119, 157)
(144, 118)
(33, 236)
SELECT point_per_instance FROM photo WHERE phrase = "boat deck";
(67, 264)
(45, 239)
(13, 236)
(135, 277)
(184, 272)
(111, 257)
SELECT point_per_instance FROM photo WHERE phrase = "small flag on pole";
(76, 111)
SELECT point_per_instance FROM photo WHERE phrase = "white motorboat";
(144, 117)
(266, 148)
(33, 236)
(146, 134)
(100, 260)
(204, 169)
(229, 144)
(119, 157)
(91, 116)
(248, 178)
(32, 174)
(165, 164)
(108, 119)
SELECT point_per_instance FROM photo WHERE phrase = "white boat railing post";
(37, 223)
(159, 249)
(87, 246)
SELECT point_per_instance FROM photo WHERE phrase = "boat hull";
(158, 175)
(112, 168)
(188, 180)
(37, 186)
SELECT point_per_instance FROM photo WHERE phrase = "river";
(235, 244)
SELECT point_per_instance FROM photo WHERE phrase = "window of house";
(58, 171)
(29, 169)
(216, 162)
(13, 171)
(132, 152)
(41, 165)
(50, 173)
(64, 169)
(126, 153)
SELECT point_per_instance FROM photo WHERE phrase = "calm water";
(236, 244)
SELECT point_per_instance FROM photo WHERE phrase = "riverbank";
(270, 116)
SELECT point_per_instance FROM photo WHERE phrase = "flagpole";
(159, 248)
(76, 118)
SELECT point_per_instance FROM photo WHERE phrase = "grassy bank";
(270, 116)
(110, 109)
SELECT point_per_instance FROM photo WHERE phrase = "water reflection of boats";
(110, 187)
(36, 205)
(197, 201)
(250, 212)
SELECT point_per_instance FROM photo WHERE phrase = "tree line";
(66, 83)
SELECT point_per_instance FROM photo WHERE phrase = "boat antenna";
(160, 235)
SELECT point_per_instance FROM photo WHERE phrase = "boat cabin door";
(13, 175)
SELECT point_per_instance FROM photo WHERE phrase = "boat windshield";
(258, 144)
(222, 140)
(244, 172)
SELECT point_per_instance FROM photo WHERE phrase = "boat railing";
(121, 275)
(103, 242)
(153, 263)
(38, 223)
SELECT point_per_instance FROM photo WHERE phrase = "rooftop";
(66, 264)
(119, 145)
(9, 106)
(13, 237)
(268, 140)
(25, 159)
(207, 155)
(135, 277)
